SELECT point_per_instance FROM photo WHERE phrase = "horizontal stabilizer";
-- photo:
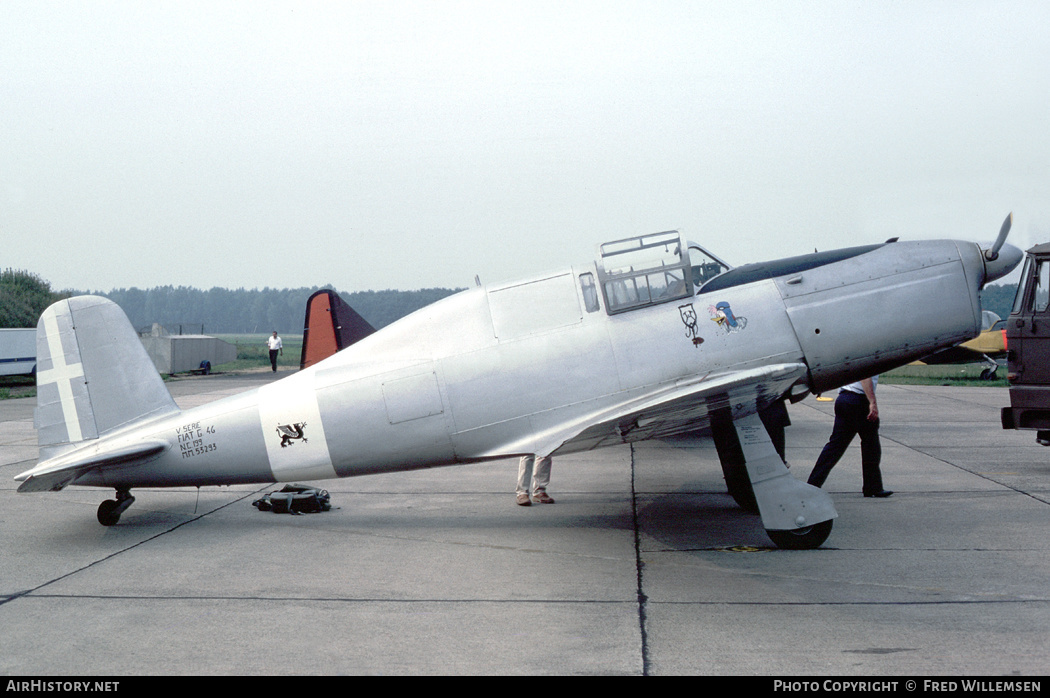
(56, 473)
(331, 325)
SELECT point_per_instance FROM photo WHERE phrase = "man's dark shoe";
(883, 493)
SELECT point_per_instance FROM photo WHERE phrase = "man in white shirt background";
(276, 347)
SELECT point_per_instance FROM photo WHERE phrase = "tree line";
(24, 296)
(998, 299)
(243, 311)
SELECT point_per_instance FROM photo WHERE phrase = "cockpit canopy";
(650, 269)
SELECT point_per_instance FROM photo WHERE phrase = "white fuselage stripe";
(291, 404)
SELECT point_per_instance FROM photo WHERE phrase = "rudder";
(331, 326)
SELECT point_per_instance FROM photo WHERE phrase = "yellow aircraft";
(984, 348)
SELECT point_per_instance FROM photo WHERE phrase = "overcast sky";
(387, 144)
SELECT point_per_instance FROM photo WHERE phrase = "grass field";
(960, 374)
(17, 386)
(252, 352)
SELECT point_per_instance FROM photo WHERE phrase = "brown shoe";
(523, 500)
(542, 497)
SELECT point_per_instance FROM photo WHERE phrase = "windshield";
(705, 266)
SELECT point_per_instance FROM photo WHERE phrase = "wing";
(685, 406)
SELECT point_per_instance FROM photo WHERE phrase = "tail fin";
(93, 374)
(331, 325)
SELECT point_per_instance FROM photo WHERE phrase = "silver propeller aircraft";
(655, 337)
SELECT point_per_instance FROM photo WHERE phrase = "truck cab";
(1028, 348)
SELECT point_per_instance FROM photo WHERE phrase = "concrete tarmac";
(643, 566)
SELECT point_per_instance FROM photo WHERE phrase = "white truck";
(17, 352)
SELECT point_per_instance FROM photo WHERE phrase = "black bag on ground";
(295, 499)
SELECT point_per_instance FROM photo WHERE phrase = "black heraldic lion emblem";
(292, 432)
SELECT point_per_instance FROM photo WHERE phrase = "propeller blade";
(992, 253)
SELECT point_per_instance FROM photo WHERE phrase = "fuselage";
(478, 375)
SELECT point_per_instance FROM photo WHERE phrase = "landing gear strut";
(110, 510)
(796, 516)
(988, 374)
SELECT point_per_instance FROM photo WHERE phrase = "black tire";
(106, 517)
(806, 538)
(739, 485)
(731, 457)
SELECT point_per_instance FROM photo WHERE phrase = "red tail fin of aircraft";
(331, 325)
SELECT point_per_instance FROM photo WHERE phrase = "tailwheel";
(106, 517)
(110, 510)
(806, 538)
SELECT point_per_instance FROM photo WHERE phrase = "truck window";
(1022, 287)
(1041, 294)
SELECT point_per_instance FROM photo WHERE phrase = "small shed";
(180, 353)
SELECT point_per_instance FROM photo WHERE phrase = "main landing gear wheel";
(806, 538)
(110, 510)
(739, 485)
